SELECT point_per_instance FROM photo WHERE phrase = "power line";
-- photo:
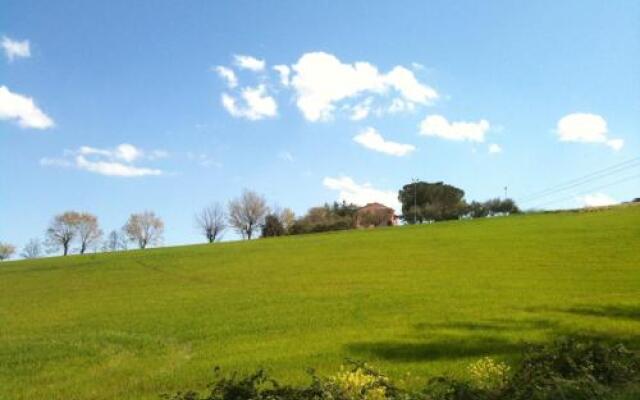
(580, 183)
(596, 175)
(626, 179)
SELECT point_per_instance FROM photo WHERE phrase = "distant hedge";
(568, 369)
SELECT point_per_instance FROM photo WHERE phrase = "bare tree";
(6, 251)
(144, 228)
(287, 218)
(88, 231)
(211, 222)
(62, 230)
(247, 213)
(33, 249)
(115, 241)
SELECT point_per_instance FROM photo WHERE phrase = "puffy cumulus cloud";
(284, 71)
(405, 82)
(494, 148)
(437, 125)
(586, 128)
(371, 139)
(321, 80)
(596, 200)
(257, 104)
(249, 62)
(15, 49)
(361, 194)
(23, 110)
(118, 161)
(228, 75)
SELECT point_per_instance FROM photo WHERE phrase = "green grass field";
(427, 299)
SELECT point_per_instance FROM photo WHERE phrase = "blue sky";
(92, 93)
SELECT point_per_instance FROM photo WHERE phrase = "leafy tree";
(328, 217)
(247, 213)
(477, 210)
(6, 251)
(492, 207)
(144, 228)
(272, 226)
(424, 201)
(343, 209)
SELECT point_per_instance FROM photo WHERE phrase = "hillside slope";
(428, 299)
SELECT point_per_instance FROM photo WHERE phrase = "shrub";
(566, 370)
(488, 374)
(272, 226)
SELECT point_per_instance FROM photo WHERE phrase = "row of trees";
(83, 230)
(249, 215)
(438, 201)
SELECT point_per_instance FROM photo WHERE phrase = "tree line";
(249, 215)
(438, 201)
(81, 229)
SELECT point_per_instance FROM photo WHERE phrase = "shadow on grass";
(484, 338)
(618, 312)
(493, 325)
(447, 349)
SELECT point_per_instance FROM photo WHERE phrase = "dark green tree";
(272, 226)
(499, 206)
(424, 201)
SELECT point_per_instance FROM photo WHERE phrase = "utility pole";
(505, 193)
(415, 201)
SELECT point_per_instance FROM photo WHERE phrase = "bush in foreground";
(568, 370)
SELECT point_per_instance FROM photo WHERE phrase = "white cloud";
(228, 75)
(109, 162)
(405, 82)
(615, 144)
(258, 104)
(586, 128)
(596, 200)
(14, 106)
(283, 71)
(15, 49)
(320, 80)
(112, 168)
(371, 139)
(437, 125)
(494, 148)
(361, 110)
(124, 152)
(398, 105)
(355, 193)
(249, 62)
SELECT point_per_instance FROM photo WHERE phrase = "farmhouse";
(375, 214)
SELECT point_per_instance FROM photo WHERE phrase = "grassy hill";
(426, 299)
